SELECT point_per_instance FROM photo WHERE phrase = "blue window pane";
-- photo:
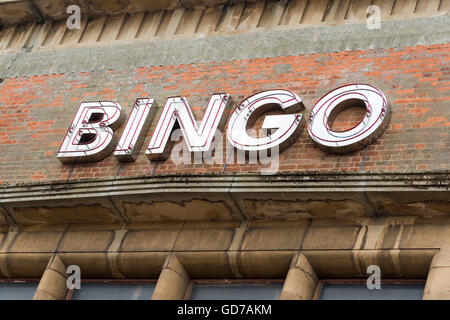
(17, 290)
(359, 291)
(113, 291)
(236, 291)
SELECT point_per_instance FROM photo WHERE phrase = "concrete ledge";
(331, 264)
(438, 181)
(230, 197)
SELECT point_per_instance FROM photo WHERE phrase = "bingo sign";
(90, 136)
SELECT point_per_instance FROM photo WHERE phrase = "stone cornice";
(234, 183)
(29, 27)
(22, 11)
(228, 197)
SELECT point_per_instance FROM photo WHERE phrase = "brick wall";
(35, 111)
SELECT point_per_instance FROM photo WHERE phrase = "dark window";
(114, 290)
(359, 291)
(236, 291)
(17, 290)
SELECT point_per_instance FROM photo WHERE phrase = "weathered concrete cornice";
(26, 11)
(295, 182)
(272, 43)
(229, 197)
(20, 11)
(104, 30)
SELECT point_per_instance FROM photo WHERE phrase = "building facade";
(305, 221)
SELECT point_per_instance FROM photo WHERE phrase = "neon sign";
(366, 132)
(90, 136)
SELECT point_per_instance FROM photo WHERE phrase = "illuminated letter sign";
(131, 139)
(198, 139)
(366, 132)
(90, 136)
(250, 109)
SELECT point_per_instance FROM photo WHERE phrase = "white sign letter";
(131, 140)
(287, 125)
(198, 139)
(90, 136)
(366, 132)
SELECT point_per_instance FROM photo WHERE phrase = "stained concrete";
(393, 34)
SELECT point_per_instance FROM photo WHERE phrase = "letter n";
(197, 138)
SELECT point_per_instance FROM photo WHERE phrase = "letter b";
(90, 136)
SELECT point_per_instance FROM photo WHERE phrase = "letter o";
(366, 132)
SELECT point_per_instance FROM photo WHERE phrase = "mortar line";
(118, 170)
(176, 239)
(9, 217)
(124, 218)
(363, 158)
(227, 159)
(55, 252)
(70, 172)
(154, 168)
(304, 235)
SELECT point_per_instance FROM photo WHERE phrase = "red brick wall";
(36, 110)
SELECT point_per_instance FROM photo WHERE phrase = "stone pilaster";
(173, 281)
(301, 280)
(438, 281)
(53, 284)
